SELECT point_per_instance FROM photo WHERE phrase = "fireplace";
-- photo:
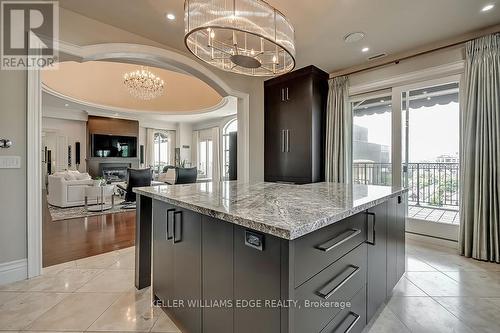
(114, 172)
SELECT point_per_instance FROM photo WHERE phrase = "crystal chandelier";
(241, 36)
(143, 84)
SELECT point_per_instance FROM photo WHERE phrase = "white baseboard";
(13, 271)
(432, 240)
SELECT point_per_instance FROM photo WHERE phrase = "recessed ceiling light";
(365, 49)
(382, 101)
(66, 105)
(354, 37)
(487, 7)
(170, 16)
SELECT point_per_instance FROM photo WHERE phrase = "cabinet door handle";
(287, 141)
(169, 234)
(282, 94)
(338, 240)
(371, 240)
(287, 97)
(331, 287)
(347, 323)
(177, 227)
(283, 142)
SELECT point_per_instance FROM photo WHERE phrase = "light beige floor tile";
(56, 269)
(6, 296)
(124, 262)
(424, 315)
(481, 314)
(22, 285)
(21, 311)
(67, 280)
(414, 264)
(164, 323)
(119, 280)
(387, 321)
(406, 288)
(480, 284)
(437, 284)
(99, 261)
(453, 262)
(131, 312)
(127, 250)
(75, 313)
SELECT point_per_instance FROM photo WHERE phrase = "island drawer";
(315, 251)
(322, 296)
(351, 319)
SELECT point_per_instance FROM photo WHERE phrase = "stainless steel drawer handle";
(338, 240)
(371, 240)
(337, 282)
(169, 229)
(177, 227)
(348, 323)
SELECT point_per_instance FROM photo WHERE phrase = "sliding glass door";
(409, 136)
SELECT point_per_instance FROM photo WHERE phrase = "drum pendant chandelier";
(241, 36)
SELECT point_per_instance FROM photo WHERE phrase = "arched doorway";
(124, 52)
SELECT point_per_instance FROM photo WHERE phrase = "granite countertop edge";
(288, 234)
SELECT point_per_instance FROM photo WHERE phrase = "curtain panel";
(338, 131)
(194, 149)
(480, 151)
(216, 158)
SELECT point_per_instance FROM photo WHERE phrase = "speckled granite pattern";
(282, 210)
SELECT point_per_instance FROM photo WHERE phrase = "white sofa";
(67, 189)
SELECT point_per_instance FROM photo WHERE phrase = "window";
(205, 153)
(230, 127)
(161, 152)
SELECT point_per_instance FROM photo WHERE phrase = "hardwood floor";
(73, 239)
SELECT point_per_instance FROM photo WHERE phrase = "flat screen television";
(113, 146)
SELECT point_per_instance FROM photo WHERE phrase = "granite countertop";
(283, 210)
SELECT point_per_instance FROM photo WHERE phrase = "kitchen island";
(269, 257)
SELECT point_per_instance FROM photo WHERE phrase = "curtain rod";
(430, 48)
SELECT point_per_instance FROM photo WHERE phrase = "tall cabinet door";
(377, 265)
(163, 254)
(274, 133)
(187, 272)
(297, 113)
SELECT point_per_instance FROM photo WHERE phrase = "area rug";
(58, 213)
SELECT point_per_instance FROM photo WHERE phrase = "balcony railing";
(430, 184)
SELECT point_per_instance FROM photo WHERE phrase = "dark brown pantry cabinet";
(295, 113)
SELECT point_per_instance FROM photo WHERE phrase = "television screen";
(113, 146)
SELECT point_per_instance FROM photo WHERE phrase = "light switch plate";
(10, 162)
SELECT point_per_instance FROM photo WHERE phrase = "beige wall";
(13, 181)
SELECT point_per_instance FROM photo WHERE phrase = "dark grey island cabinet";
(213, 276)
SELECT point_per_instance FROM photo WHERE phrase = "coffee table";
(99, 192)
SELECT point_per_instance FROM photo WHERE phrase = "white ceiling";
(391, 26)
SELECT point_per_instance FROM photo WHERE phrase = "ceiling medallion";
(241, 36)
(143, 84)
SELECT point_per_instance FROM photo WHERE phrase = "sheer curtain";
(480, 151)
(216, 173)
(150, 149)
(194, 148)
(338, 131)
